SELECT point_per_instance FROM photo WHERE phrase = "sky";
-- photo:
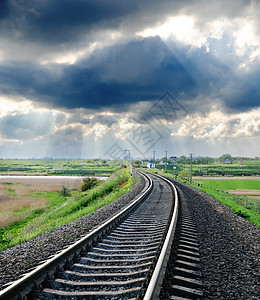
(92, 78)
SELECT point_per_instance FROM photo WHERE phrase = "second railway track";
(123, 259)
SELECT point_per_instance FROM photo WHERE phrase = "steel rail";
(154, 287)
(25, 285)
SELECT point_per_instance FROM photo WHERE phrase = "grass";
(233, 201)
(231, 184)
(248, 168)
(28, 195)
(61, 210)
(13, 210)
(58, 167)
(254, 163)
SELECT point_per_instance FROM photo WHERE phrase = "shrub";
(3, 238)
(242, 213)
(65, 191)
(88, 183)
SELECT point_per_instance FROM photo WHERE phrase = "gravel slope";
(19, 259)
(229, 248)
(229, 245)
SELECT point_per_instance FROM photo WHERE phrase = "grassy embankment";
(229, 200)
(244, 192)
(57, 209)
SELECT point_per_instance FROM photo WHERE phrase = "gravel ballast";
(16, 261)
(229, 247)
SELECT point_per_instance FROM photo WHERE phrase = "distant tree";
(88, 183)
(183, 160)
(204, 160)
(209, 160)
(164, 158)
(184, 174)
(223, 157)
(65, 191)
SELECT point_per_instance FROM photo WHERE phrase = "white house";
(150, 165)
(227, 161)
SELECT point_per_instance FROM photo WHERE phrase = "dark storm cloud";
(141, 70)
(60, 20)
(64, 21)
(240, 96)
(4, 8)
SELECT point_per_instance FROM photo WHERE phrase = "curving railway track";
(134, 255)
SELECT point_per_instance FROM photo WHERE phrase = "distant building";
(150, 165)
(227, 161)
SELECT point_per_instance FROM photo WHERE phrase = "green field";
(26, 222)
(254, 163)
(57, 167)
(231, 184)
(248, 168)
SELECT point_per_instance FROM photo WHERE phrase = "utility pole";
(165, 160)
(127, 157)
(173, 171)
(154, 156)
(191, 167)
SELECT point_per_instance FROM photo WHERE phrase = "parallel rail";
(26, 284)
(154, 287)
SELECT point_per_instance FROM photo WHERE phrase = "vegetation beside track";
(229, 200)
(63, 209)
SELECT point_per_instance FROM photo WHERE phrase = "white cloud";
(218, 126)
(241, 31)
(70, 56)
(181, 27)
(11, 107)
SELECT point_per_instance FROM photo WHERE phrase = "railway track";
(125, 258)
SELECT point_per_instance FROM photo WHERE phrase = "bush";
(88, 183)
(242, 213)
(65, 191)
